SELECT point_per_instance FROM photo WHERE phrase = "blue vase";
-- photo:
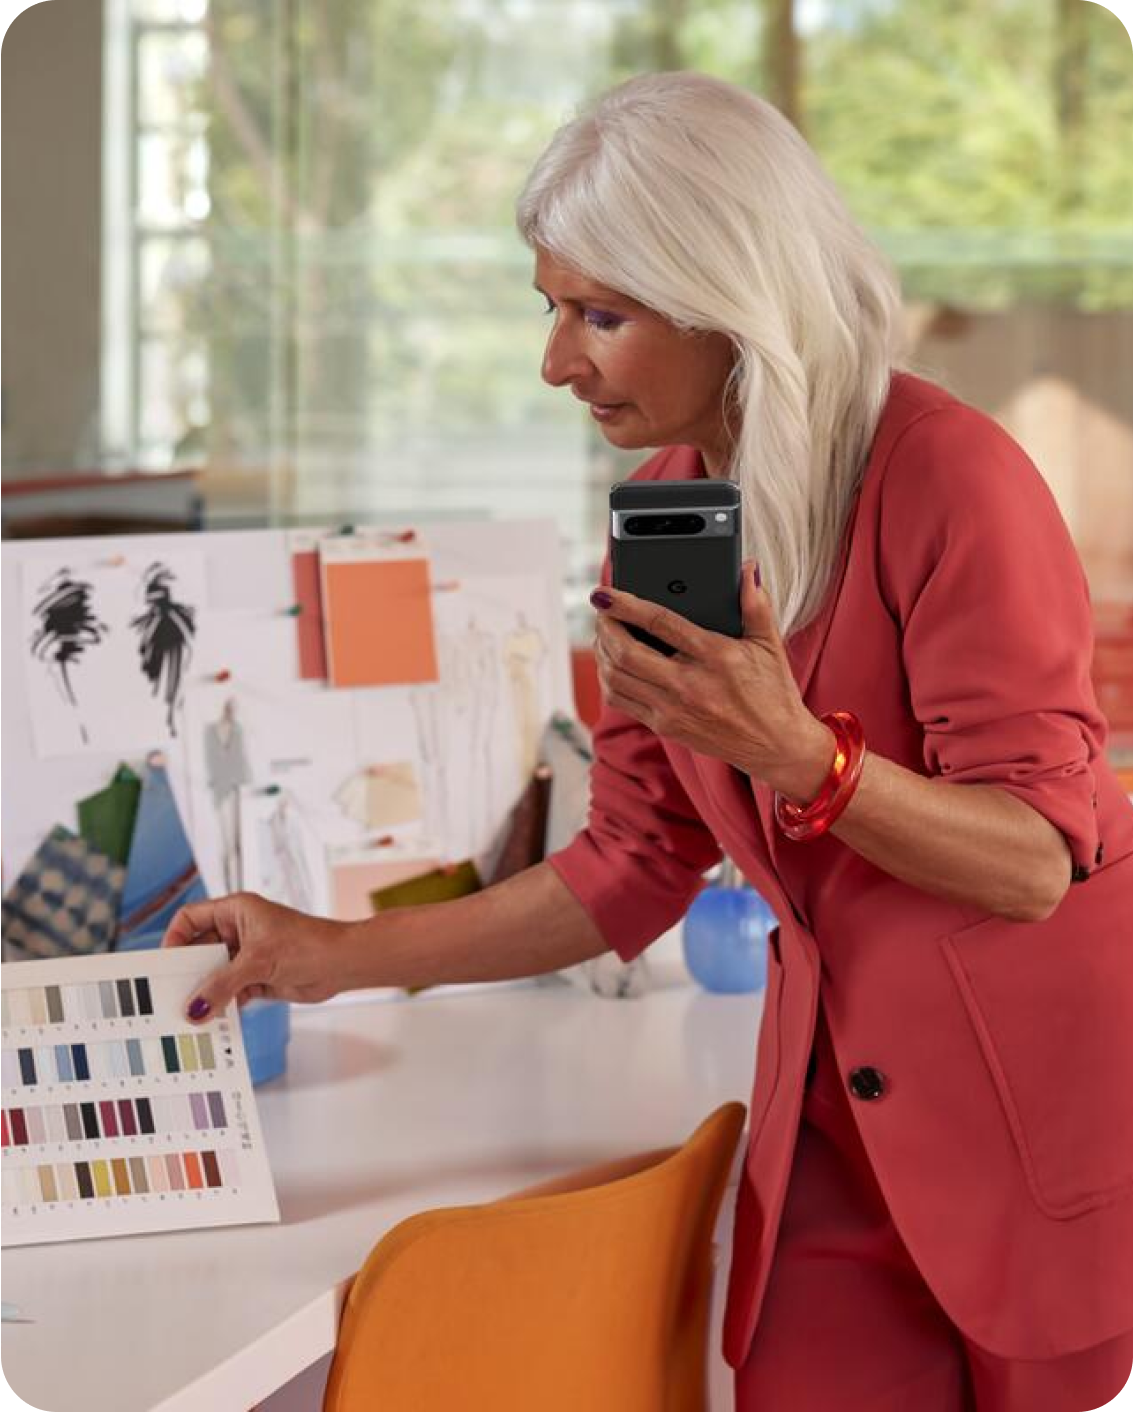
(266, 1027)
(725, 939)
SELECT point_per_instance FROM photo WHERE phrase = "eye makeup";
(600, 319)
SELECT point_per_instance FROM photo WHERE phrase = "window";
(324, 301)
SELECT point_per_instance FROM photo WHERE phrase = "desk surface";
(389, 1106)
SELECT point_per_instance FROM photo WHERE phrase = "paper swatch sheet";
(118, 1116)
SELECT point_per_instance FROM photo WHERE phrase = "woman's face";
(647, 383)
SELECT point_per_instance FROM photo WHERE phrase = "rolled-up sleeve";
(640, 860)
(983, 578)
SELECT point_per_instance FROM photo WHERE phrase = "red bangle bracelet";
(803, 813)
(799, 822)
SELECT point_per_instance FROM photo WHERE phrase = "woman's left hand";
(734, 698)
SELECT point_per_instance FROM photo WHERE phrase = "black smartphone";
(679, 543)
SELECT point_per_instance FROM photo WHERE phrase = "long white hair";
(702, 202)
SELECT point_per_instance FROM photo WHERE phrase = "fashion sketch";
(484, 672)
(283, 863)
(456, 722)
(165, 638)
(226, 765)
(67, 627)
(524, 650)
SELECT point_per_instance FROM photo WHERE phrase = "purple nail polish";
(199, 1008)
(600, 599)
(758, 580)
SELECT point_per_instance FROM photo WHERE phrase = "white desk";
(389, 1106)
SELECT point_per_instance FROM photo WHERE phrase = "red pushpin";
(223, 675)
(385, 841)
(406, 536)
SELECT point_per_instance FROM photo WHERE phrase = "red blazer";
(958, 628)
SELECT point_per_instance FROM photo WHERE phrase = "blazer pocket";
(1051, 1004)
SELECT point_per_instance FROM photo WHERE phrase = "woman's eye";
(596, 318)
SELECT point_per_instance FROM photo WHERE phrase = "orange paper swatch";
(379, 622)
(309, 624)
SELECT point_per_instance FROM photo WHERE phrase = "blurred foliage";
(940, 122)
(365, 156)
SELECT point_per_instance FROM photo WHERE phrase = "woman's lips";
(603, 411)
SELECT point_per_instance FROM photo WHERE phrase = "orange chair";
(590, 1293)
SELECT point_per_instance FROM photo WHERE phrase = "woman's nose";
(563, 359)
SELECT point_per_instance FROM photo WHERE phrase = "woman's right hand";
(274, 952)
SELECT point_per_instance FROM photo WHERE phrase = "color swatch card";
(118, 1116)
(378, 613)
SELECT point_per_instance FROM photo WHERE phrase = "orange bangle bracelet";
(820, 803)
(800, 823)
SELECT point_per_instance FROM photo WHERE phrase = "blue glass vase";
(725, 936)
(266, 1027)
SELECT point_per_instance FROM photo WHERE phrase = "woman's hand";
(274, 952)
(734, 698)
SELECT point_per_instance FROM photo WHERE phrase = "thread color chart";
(119, 1116)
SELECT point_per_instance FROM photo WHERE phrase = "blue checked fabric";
(64, 903)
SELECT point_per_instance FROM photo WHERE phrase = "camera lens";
(664, 524)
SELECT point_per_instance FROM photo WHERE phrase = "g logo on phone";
(678, 586)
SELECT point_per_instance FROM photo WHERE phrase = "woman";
(936, 1209)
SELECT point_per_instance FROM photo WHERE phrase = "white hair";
(702, 202)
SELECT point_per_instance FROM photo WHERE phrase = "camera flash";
(720, 516)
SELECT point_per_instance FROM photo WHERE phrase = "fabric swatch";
(161, 875)
(106, 819)
(526, 831)
(64, 903)
(441, 885)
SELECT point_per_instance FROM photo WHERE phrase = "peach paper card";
(378, 613)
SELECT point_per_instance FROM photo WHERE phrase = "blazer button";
(1079, 873)
(1100, 854)
(867, 1083)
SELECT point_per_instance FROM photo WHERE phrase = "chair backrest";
(586, 1294)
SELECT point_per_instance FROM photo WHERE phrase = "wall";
(1062, 383)
(51, 122)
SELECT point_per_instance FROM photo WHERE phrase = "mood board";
(314, 715)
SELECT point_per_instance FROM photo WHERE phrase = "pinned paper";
(353, 883)
(379, 618)
(381, 796)
(307, 586)
(108, 647)
(280, 853)
(161, 875)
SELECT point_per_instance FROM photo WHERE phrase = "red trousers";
(848, 1323)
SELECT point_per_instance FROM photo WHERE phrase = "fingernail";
(758, 580)
(600, 599)
(199, 1008)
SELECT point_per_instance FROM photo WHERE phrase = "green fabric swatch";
(441, 885)
(106, 819)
